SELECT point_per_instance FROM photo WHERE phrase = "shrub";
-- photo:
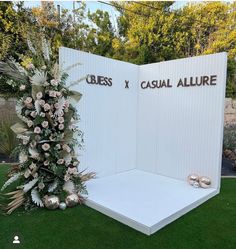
(7, 136)
(229, 142)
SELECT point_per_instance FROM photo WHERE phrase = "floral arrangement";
(47, 174)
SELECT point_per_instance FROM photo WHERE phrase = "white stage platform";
(144, 201)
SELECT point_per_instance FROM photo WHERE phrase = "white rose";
(27, 173)
(46, 163)
(30, 123)
(45, 146)
(61, 126)
(46, 83)
(45, 124)
(46, 154)
(32, 166)
(58, 146)
(75, 163)
(41, 185)
(66, 177)
(22, 87)
(35, 175)
(39, 95)
(33, 144)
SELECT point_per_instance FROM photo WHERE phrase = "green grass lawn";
(211, 226)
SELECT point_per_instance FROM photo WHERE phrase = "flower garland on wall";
(47, 174)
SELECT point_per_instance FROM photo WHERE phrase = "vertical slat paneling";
(180, 129)
(108, 114)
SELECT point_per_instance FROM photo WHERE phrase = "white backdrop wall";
(180, 129)
(168, 131)
(108, 114)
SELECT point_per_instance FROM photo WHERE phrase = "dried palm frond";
(88, 176)
(30, 46)
(53, 186)
(72, 66)
(56, 71)
(36, 198)
(69, 187)
(11, 180)
(38, 78)
(10, 69)
(13, 170)
(76, 82)
(18, 199)
(46, 49)
(28, 186)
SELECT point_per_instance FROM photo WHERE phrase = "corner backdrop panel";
(146, 128)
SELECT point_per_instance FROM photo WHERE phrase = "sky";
(91, 5)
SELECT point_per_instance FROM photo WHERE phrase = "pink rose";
(42, 114)
(56, 105)
(58, 94)
(66, 148)
(73, 171)
(53, 94)
(46, 107)
(61, 120)
(30, 66)
(54, 82)
(33, 114)
(28, 100)
(37, 130)
(66, 104)
(41, 102)
(60, 161)
(61, 126)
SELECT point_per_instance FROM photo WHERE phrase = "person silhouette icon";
(16, 240)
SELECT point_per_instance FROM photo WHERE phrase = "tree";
(101, 33)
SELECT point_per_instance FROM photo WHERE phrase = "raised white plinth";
(144, 201)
